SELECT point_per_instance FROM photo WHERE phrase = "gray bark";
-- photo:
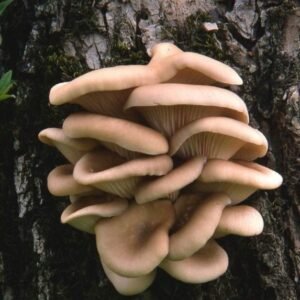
(46, 42)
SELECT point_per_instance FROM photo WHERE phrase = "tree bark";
(45, 42)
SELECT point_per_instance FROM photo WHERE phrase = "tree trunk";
(46, 42)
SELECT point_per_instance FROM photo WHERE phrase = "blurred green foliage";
(6, 82)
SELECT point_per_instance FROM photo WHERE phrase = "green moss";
(193, 37)
(82, 19)
(68, 67)
(122, 55)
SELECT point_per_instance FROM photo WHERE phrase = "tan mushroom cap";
(168, 107)
(171, 182)
(205, 265)
(60, 182)
(121, 136)
(241, 220)
(72, 149)
(174, 65)
(106, 90)
(238, 179)
(129, 286)
(134, 243)
(218, 137)
(86, 212)
(198, 218)
(109, 172)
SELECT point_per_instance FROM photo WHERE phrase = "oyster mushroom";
(129, 286)
(72, 149)
(218, 137)
(122, 136)
(165, 186)
(61, 182)
(241, 220)
(134, 243)
(111, 173)
(207, 264)
(169, 107)
(238, 179)
(105, 91)
(197, 218)
(86, 212)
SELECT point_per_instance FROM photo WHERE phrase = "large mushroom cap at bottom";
(207, 264)
(129, 286)
(134, 243)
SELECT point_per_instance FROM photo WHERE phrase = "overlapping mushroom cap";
(157, 163)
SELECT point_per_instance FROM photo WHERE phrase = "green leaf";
(4, 97)
(5, 81)
(3, 5)
(5, 85)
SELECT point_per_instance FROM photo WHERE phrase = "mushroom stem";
(134, 243)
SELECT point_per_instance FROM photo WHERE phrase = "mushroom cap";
(218, 137)
(189, 67)
(207, 264)
(129, 286)
(241, 220)
(239, 179)
(198, 218)
(60, 182)
(172, 182)
(86, 212)
(134, 243)
(72, 149)
(105, 90)
(116, 134)
(168, 107)
(111, 173)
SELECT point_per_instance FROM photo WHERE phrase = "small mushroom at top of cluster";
(157, 163)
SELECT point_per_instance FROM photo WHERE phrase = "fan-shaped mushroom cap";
(105, 91)
(61, 182)
(188, 67)
(118, 135)
(197, 219)
(218, 137)
(86, 212)
(72, 149)
(111, 173)
(129, 286)
(134, 243)
(171, 182)
(242, 220)
(168, 107)
(205, 265)
(238, 179)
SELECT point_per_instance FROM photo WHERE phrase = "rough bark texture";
(49, 41)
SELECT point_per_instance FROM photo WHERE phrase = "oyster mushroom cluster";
(160, 159)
